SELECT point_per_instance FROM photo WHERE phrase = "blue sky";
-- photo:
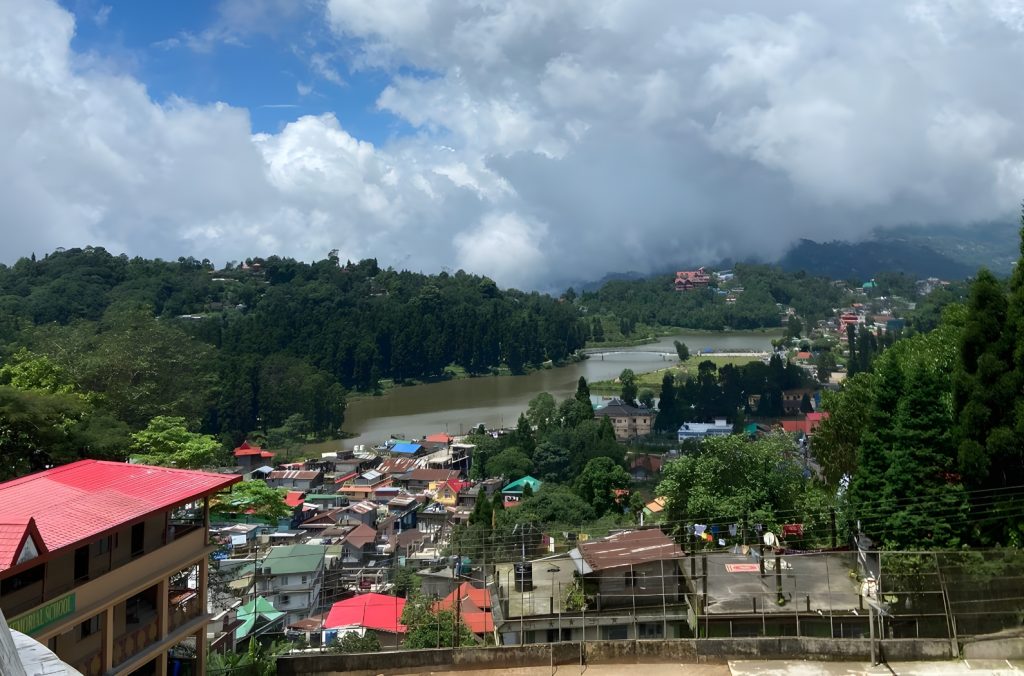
(182, 48)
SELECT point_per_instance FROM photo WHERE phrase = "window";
(103, 546)
(303, 579)
(615, 633)
(90, 626)
(29, 577)
(82, 563)
(138, 538)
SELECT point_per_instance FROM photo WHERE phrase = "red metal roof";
(373, 611)
(440, 438)
(294, 498)
(246, 449)
(13, 534)
(77, 502)
(475, 607)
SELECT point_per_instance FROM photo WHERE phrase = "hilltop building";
(688, 280)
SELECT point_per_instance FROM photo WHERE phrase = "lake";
(454, 406)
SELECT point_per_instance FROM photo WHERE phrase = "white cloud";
(551, 141)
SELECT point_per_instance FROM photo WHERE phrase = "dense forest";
(108, 343)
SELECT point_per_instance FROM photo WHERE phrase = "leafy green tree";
(255, 498)
(629, 387)
(838, 436)
(572, 413)
(552, 462)
(682, 350)
(27, 370)
(805, 404)
(542, 412)
(553, 504)
(732, 477)
(428, 627)
(646, 398)
(597, 484)
(352, 642)
(794, 327)
(405, 580)
(511, 463)
(167, 441)
(36, 430)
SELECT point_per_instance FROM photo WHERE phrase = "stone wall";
(611, 652)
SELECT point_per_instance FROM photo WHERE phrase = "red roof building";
(246, 450)
(441, 438)
(370, 611)
(691, 279)
(93, 543)
(101, 496)
(474, 607)
(294, 498)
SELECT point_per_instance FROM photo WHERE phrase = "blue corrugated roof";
(405, 448)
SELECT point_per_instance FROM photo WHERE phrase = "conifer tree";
(924, 505)
(873, 452)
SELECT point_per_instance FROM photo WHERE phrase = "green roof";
(291, 559)
(517, 485)
(252, 611)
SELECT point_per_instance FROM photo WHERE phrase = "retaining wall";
(610, 652)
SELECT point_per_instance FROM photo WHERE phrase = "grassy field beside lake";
(681, 371)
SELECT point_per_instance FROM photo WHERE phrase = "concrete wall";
(610, 652)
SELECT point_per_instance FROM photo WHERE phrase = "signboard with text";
(44, 615)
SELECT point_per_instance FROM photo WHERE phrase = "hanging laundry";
(758, 527)
(699, 528)
(714, 530)
(721, 542)
(732, 530)
(794, 529)
(707, 537)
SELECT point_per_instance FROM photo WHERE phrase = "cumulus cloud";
(552, 141)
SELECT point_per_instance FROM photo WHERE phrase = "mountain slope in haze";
(864, 260)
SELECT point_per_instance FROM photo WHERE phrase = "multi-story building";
(629, 422)
(106, 563)
(290, 578)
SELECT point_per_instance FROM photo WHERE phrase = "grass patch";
(652, 379)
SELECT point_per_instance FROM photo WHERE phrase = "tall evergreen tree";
(668, 415)
(868, 483)
(923, 502)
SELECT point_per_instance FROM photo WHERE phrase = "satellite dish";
(769, 539)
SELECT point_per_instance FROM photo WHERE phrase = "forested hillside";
(653, 301)
(88, 336)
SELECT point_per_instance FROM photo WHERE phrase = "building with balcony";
(105, 563)
(291, 577)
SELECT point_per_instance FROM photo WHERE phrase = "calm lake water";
(455, 406)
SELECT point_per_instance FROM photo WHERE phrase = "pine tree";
(923, 503)
(668, 415)
(868, 483)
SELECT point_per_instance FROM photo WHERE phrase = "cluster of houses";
(327, 567)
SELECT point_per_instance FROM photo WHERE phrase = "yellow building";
(106, 563)
(629, 422)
